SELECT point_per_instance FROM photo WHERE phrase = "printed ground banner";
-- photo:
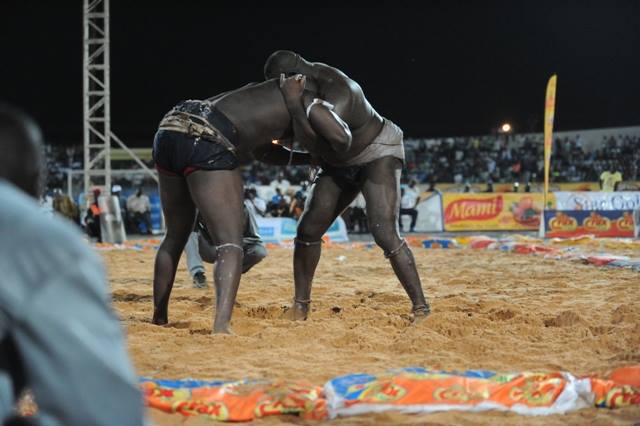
(600, 223)
(491, 212)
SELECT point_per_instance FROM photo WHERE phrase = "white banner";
(279, 229)
(624, 200)
(429, 214)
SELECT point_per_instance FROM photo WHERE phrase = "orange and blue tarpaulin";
(410, 390)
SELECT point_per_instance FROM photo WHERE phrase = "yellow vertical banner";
(549, 112)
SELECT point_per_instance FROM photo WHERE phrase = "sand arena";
(491, 310)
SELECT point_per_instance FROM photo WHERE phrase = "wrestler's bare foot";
(160, 318)
(223, 330)
(420, 314)
(297, 312)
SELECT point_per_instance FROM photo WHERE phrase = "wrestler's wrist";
(293, 103)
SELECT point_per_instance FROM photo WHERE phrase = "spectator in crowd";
(64, 205)
(194, 261)
(202, 248)
(470, 159)
(408, 202)
(358, 215)
(280, 182)
(256, 204)
(46, 204)
(139, 210)
(92, 217)
(59, 337)
(278, 207)
(489, 186)
(297, 205)
(610, 179)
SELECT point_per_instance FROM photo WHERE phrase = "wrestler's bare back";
(259, 114)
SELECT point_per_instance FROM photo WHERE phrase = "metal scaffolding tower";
(97, 106)
(97, 100)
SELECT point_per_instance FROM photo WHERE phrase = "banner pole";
(549, 113)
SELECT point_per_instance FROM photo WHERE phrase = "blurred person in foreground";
(58, 335)
(359, 150)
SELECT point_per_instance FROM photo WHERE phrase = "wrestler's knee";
(309, 232)
(208, 253)
(252, 256)
(256, 253)
(385, 235)
(173, 244)
(230, 251)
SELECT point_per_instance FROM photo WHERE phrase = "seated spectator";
(278, 205)
(296, 206)
(258, 205)
(139, 210)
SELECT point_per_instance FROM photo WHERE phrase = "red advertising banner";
(600, 223)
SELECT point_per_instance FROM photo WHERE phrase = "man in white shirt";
(280, 182)
(408, 203)
(139, 209)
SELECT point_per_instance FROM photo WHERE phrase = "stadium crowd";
(499, 158)
(465, 160)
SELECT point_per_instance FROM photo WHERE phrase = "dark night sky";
(436, 68)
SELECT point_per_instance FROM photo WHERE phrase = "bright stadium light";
(506, 128)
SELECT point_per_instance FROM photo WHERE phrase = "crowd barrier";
(472, 211)
(599, 223)
(283, 229)
(568, 212)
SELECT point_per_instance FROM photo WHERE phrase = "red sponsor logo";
(563, 222)
(473, 209)
(596, 222)
(625, 223)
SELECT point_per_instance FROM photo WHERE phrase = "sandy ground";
(491, 310)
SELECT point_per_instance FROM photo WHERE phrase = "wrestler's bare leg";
(326, 201)
(381, 191)
(218, 195)
(179, 214)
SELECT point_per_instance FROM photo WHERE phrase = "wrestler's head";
(21, 147)
(284, 62)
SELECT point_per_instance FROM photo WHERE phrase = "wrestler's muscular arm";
(322, 121)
